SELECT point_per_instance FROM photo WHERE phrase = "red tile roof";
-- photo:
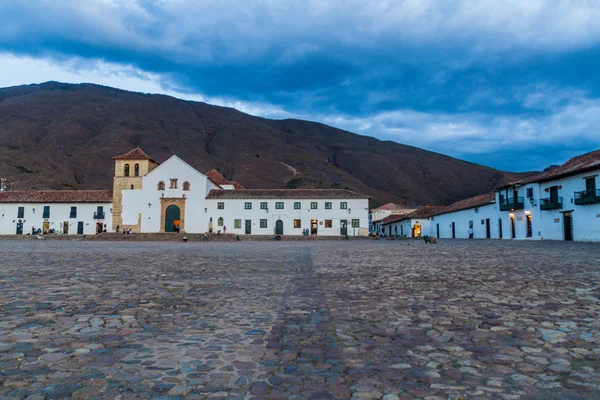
(135, 154)
(421, 213)
(217, 178)
(237, 185)
(291, 194)
(576, 165)
(471, 202)
(390, 206)
(57, 196)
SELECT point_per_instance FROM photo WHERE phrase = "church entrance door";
(172, 214)
(279, 227)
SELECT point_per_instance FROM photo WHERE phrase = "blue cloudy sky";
(512, 84)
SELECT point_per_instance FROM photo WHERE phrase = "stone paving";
(316, 320)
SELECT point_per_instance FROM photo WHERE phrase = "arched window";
(126, 169)
(161, 185)
(186, 186)
(136, 170)
(220, 221)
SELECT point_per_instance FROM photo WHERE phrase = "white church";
(175, 197)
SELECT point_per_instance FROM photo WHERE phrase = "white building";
(60, 211)
(377, 215)
(173, 196)
(414, 224)
(560, 204)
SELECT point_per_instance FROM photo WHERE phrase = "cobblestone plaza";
(300, 320)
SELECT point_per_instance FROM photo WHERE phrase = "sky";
(511, 84)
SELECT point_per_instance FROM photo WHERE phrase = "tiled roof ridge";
(57, 196)
(135, 154)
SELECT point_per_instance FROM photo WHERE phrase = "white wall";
(59, 213)
(461, 220)
(405, 227)
(234, 209)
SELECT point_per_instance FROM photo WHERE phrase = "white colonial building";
(173, 196)
(414, 224)
(560, 204)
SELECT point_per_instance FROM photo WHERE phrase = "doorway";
(488, 234)
(46, 227)
(453, 230)
(437, 230)
(66, 228)
(343, 227)
(172, 218)
(248, 227)
(279, 227)
(314, 226)
(568, 225)
(99, 226)
(19, 227)
(416, 231)
(513, 234)
(529, 226)
(499, 228)
(80, 228)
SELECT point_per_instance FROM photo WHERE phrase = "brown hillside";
(57, 135)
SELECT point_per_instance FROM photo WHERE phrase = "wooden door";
(488, 234)
(80, 228)
(248, 227)
(568, 225)
(343, 227)
(279, 227)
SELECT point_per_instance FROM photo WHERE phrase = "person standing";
(470, 233)
(224, 229)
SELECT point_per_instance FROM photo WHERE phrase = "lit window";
(237, 223)
(297, 223)
(328, 223)
(356, 223)
(186, 186)
(296, 205)
(263, 205)
(248, 206)
(313, 205)
(173, 184)
(161, 185)
(220, 206)
(263, 223)
(220, 221)
(279, 205)
(328, 205)
(343, 205)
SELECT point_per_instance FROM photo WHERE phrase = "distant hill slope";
(57, 135)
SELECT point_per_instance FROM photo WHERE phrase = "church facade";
(174, 197)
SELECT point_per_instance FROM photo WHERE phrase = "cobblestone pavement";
(321, 320)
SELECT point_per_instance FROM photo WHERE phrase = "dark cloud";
(461, 78)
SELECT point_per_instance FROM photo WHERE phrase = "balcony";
(587, 197)
(98, 215)
(46, 214)
(515, 203)
(73, 215)
(550, 203)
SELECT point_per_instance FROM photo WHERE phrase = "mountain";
(56, 135)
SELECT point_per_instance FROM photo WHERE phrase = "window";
(73, 213)
(356, 223)
(248, 206)
(46, 212)
(263, 205)
(99, 214)
(21, 212)
(131, 187)
(470, 224)
(279, 205)
(136, 170)
(343, 205)
(126, 170)
(161, 185)
(554, 194)
(590, 186)
(173, 184)
(263, 223)
(220, 205)
(296, 205)
(529, 193)
(328, 205)
(237, 223)
(297, 223)
(313, 205)
(220, 221)
(328, 223)
(186, 186)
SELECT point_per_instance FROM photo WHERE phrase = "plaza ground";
(300, 320)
